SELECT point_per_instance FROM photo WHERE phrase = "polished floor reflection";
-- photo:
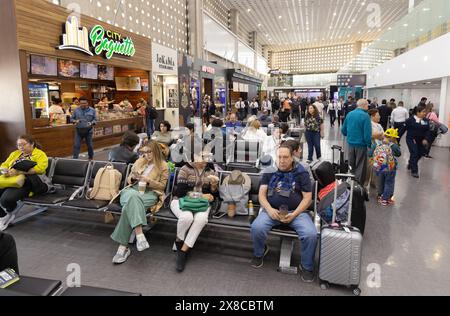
(406, 249)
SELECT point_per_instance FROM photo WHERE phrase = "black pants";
(401, 129)
(340, 118)
(431, 141)
(333, 117)
(296, 116)
(417, 151)
(9, 198)
(242, 115)
(8, 253)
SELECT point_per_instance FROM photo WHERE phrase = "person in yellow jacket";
(28, 149)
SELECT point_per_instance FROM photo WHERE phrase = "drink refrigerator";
(39, 99)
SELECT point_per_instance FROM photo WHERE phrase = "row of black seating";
(29, 286)
(74, 177)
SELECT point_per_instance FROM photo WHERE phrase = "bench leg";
(35, 212)
(287, 247)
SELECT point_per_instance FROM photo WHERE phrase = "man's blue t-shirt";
(285, 188)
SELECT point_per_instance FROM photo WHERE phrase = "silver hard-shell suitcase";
(340, 250)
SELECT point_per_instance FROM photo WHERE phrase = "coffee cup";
(142, 187)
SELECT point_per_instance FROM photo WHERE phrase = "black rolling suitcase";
(341, 166)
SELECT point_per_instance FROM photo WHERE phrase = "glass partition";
(222, 42)
(428, 21)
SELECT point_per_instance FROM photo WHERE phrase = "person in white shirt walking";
(254, 106)
(267, 105)
(332, 111)
(340, 111)
(240, 107)
(398, 119)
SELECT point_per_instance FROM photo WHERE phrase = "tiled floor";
(406, 248)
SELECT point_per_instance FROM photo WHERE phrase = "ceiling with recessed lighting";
(295, 24)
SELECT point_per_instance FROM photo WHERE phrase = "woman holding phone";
(147, 183)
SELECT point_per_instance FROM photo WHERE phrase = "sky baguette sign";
(100, 39)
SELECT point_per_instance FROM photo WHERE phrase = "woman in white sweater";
(255, 132)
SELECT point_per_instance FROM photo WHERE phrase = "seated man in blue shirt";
(84, 118)
(265, 119)
(234, 124)
(287, 188)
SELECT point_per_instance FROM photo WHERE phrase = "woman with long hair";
(314, 132)
(147, 183)
(200, 178)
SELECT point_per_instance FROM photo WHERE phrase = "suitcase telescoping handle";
(352, 178)
(336, 148)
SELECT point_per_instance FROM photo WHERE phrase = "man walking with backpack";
(150, 116)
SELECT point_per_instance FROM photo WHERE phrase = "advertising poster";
(195, 91)
(145, 85)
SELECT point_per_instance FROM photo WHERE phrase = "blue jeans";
(77, 146)
(150, 127)
(386, 184)
(304, 227)
(313, 140)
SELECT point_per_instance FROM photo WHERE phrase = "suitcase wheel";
(325, 286)
(357, 292)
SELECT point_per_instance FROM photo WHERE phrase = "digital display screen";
(42, 65)
(351, 80)
(68, 68)
(105, 73)
(89, 71)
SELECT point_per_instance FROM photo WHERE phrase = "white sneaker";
(5, 221)
(121, 255)
(142, 243)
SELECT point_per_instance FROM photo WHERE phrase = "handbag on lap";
(12, 182)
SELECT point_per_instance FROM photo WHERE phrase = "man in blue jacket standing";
(358, 130)
(85, 118)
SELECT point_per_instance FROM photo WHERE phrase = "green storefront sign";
(110, 43)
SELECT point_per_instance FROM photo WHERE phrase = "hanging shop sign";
(209, 70)
(102, 41)
(164, 60)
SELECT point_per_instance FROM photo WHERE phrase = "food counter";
(57, 141)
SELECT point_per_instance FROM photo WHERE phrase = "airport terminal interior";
(231, 148)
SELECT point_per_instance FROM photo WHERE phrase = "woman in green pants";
(153, 171)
